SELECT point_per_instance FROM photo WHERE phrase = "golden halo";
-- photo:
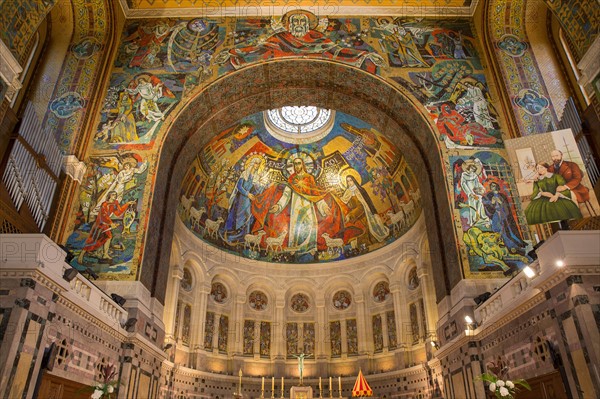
(130, 161)
(309, 162)
(312, 18)
(143, 75)
(470, 162)
(350, 172)
(250, 159)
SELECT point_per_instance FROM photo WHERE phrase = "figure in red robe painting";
(100, 233)
(298, 37)
(302, 208)
(572, 174)
(452, 125)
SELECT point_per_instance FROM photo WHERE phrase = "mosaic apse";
(292, 198)
(162, 63)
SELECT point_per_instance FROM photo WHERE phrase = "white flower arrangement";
(103, 389)
(501, 388)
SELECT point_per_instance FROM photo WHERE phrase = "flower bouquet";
(504, 389)
(104, 388)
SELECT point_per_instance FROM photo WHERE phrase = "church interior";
(273, 199)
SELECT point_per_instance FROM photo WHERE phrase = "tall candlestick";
(263, 384)
(282, 387)
(330, 388)
(272, 387)
(320, 388)
(340, 385)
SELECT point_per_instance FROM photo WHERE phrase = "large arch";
(288, 82)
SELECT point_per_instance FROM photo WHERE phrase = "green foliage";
(503, 389)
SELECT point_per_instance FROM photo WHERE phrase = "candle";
(282, 386)
(273, 384)
(330, 385)
(340, 384)
(320, 388)
(263, 384)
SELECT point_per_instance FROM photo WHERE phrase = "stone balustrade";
(579, 252)
(36, 256)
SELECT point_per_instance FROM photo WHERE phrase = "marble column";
(171, 302)
(279, 341)
(428, 290)
(401, 314)
(238, 325)
(198, 319)
(321, 331)
(365, 334)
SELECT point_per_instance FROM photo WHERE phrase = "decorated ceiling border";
(580, 20)
(19, 20)
(436, 61)
(78, 79)
(524, 82)
(250, 8)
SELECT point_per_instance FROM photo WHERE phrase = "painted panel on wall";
(484, 192)
(108, 220)
(552, 180)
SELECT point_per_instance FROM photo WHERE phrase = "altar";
(301, 392)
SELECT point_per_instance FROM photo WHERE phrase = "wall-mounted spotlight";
(70, 274)
(529, 272)
(435, 345)
(129, 323)
(532, 254)
(118, 299)
(69, 256)
(470, 322)
(90, 274)
(167, 346)
(479, 299)
(560, 263)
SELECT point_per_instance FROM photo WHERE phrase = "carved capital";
(589, 66)
(74, 168)
(10, 70)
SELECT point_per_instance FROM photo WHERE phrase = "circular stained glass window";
(342, 300)
(299, 303)
(218, 292)
(299, 124)
(258, 300)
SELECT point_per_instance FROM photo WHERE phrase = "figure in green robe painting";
(547, 204)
